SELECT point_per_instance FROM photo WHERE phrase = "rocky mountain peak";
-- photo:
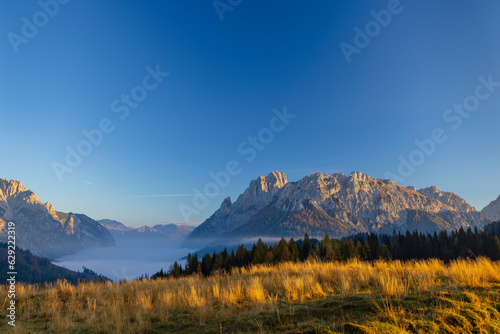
(274, 180)
(43, 230)
(264, 187)
(52, 211)
(357, 176)
(430, 190)
(30, 197)
(279, 178)
(10, 188)
(225, 207)
(230, 215)
(492, 210)
(450, 199)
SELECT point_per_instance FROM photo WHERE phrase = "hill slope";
(33, 269)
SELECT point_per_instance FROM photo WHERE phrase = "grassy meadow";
(424, 296)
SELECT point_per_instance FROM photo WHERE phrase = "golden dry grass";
(385, 296)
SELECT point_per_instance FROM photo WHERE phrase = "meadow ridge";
(425, 296)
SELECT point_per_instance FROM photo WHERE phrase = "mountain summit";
(232, 215)
(43, 230)
(336, 204)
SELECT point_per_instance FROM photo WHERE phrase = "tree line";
(32, 269)
(366, 247)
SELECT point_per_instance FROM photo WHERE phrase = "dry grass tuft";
(393, 289)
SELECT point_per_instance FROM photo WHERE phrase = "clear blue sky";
(226, 76)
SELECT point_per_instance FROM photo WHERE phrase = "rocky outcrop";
(448, 198)
(338, 205)
(492, 210)
(43, 230)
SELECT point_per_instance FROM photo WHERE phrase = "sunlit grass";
(379, 297)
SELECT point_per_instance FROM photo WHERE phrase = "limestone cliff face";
(448, 198)
(43, 230)
(231, 215)
(338, 205)
(492, 210)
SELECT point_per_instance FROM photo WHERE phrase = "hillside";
(425, 296)
(33, 269)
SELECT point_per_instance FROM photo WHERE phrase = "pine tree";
(383, 252)
(348, 250)
(191, 264)
(217, 262)
(283, 253)
(368, 251)
(396, 251)
(414, 246)
(206, 264)
(294, 250)
(493, 248)
(427, 248)
(306, 247)
(187, 268)
(361, 252)
(269, 257)
(241, 256)
(175, 270)
(259, 254)
(373, 242)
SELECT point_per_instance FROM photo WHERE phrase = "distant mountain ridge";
(114, 225)
(336, 204)
(161, 233)
(43, 230)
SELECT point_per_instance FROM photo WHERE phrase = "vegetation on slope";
(367, 247)
(426, 296)
(33, 269)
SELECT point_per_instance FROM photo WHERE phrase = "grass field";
(312, 297)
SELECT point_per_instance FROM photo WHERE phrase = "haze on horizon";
(214, 94)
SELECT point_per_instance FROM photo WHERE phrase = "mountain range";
(43, 230)
(146, 235)
(336, 204)
(271, 206)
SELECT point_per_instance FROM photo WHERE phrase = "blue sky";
(225, 78)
